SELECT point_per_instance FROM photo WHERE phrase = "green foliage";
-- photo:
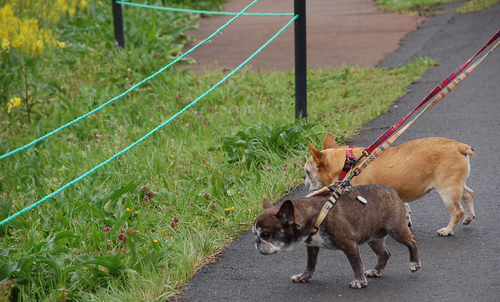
(197, 4)
(254, 143)
(407, 5)
(24, 44)
(420, 5)
(476, 5)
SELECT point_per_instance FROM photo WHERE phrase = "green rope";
(202, 11)
(127, 91)
(149, 133)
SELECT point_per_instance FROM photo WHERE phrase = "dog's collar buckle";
(350, 162)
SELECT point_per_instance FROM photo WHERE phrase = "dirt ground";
(339, 32)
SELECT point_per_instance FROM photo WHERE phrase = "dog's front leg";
(352, 252)
(312, 260)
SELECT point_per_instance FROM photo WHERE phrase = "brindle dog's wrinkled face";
(273, 230)
(266, 242)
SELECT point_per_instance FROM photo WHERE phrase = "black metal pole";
(118, 23)
(300, 60)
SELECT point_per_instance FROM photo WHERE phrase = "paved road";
(464, 267)
(339, 32)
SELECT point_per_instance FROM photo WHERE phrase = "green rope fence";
(182, 10)
(242, 12)
(10, 218)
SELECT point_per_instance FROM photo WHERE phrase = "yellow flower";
(227, 210)
(155, 241)
(249, 210)
(232, 208)
(128, 210)
(27, 34)
(83, 4)
(5, 43)
(136, 213)
(14, 102)
(222, 218)
(134, 100)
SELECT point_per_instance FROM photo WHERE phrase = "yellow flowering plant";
(25, 40)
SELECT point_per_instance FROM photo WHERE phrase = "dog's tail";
(466, 150)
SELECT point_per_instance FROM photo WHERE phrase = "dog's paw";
(414, 266)
(357, 283)
(468, 220)
(321, 191)
(373, 273)
(301, 278)
(445, 232)
(408, 221)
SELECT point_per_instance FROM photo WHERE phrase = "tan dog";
(413, 169)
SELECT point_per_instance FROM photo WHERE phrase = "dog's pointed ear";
(317, 155)
(329, 141)
(286, 213)
(266, 203)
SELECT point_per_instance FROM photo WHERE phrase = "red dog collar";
(348, 164)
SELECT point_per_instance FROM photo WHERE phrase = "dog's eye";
(265, 235)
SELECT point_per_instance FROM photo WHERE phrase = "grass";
(140, 227)
(409, 5)
(422, 5)
(476, 5)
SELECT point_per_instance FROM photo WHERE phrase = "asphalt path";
(463, 267)
(339, 32)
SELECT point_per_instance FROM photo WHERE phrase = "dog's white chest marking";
(319, 241)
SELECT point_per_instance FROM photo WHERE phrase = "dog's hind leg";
(451, 199)
(468, 198)
(404, 236)
(383, 254)
(408, 214)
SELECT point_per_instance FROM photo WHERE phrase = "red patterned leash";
(351, 162)
(433, 93)
(450, 86)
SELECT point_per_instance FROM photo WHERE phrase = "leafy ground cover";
(423, 5)
(140, 227)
